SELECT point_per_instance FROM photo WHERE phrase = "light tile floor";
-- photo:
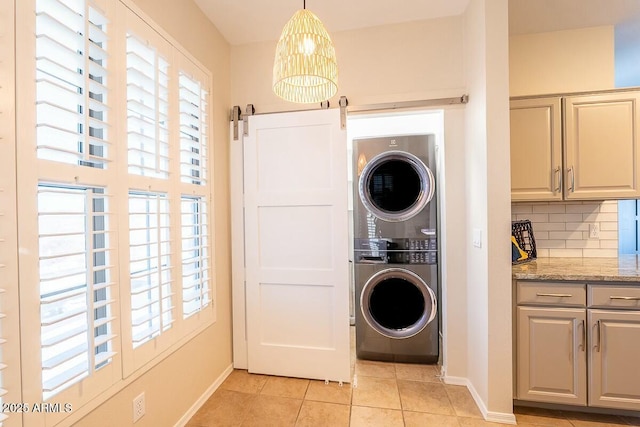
(385, 395)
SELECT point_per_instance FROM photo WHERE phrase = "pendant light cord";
(304, 4)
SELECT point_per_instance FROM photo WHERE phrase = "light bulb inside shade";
(308, 46)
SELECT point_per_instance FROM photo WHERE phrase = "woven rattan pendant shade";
(305, 69)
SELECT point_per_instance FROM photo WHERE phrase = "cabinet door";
(601, 146)
(536, 153)
(551, 355)
(614, 375)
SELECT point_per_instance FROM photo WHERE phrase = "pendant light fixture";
(305, 69)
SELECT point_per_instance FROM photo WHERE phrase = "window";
(114, 200)
(196, 291)
(71, 83)
(628, 226)
(75, 280)
(150, 266)
(193, 131)
(147, 109)
(168, 265)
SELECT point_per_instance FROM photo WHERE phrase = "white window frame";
(31, 171)
(128, 364)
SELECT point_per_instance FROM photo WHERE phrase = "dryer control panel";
(396, 251)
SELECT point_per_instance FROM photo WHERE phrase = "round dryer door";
(397, 303)
(395, 186)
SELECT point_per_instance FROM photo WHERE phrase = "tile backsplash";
(561, 229)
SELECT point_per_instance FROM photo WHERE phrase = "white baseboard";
(204, 397)
(497, 417)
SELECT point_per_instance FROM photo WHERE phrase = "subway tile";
(538, 217)
(565, 217)
(566, 235)
(586, 208)
(608, 235)
(575, 226)
(542, 252)
(548, 226)
(541, 235)
(519, 208)
(581, 244)
(549, 208)
(609, 206)
(609, 244)
(599, 253)
(513, 217)
(550, 244)
(609, 226)
(599, 217)
(565, 253)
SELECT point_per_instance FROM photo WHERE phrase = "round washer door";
(395, 186)
(397, 303)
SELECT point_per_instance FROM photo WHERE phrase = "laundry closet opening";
(395, 286)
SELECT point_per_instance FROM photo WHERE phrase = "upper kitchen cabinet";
(575, 147)
(536, 149)
(601, 146)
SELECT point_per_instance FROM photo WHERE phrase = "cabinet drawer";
(552, 293)
(614, 296)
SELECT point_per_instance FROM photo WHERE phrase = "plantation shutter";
(196, 286)
(65, 177)
(150, 266)
(75, 281)
(71, 83)
(147, 109)
(195, 190)
(193, 130)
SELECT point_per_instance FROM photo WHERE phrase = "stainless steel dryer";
(396, 249)
(394, 187)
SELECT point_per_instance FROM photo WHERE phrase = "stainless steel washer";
(397, 313)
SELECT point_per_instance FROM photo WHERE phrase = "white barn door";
(296, 245)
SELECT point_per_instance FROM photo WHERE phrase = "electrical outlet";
(594, 230)
(138, 407)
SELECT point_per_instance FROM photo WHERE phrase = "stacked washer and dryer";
(396, 249)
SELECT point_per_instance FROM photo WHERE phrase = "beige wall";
(487, 208)
(174, 385)
(416, 60)
(562, 61)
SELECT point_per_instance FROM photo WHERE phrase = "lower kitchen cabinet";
(577, 350)
(614, 359)
(551, 355)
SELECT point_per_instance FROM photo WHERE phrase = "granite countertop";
(625, 268)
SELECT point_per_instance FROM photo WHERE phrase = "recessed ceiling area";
(248, 21)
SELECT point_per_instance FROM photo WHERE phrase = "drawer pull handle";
(598, 326)
(540, 294)
(625, 298)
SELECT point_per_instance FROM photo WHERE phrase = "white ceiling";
(247, 21)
